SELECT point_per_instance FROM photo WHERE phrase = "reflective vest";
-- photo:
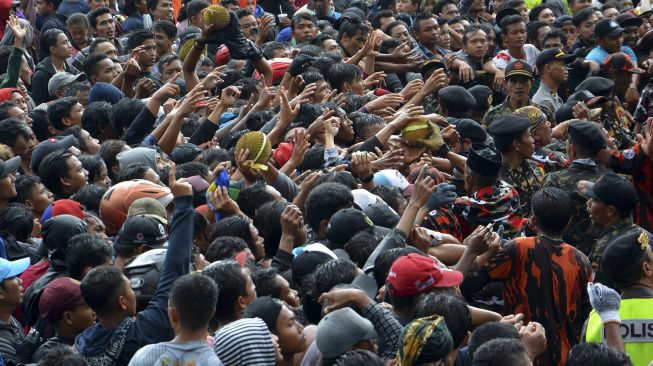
(636, 327)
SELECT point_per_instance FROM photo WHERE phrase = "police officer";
(490, 199)
(627, 261)
(512, 138)
(584, 143)
(612, 200)
(519, 79)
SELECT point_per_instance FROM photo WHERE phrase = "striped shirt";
(245, 342)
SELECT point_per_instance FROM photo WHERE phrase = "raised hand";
(178, 188)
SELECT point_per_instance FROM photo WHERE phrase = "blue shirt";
(598, 54)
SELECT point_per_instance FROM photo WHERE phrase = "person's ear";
(240, 303)
(647, 269)
(66, 122)
(63, 181)
(28, 203)
(172, 314)
(323, 226)
(346, 87)
(122, 303)
(67, 317)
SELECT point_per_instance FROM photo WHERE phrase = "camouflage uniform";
(644, 108)
(498, 111)
(430, 104)
(620, 227)
(579, 233)
(614, 119)
(527, 180)
(498, 204)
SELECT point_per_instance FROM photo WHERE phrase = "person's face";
(290, 332)
(445, 39)
(77, 175)
(128, 297)
(148, 57)
(578, 5)
(406, 6)
(385, 21)
(599, 212)
(546, 16)
(170, 70)
(81, 317)
(631, 35)
(515, 36)
(610, 13)
(286, 294)
(321, 91)
(19, 99)
(258, 242)
(63, 48)
(321, 7)
(428, 33)
(355, 43)
(106, 72)
(518, 87)
(92, 144)
(44, 8)
(108, 48)
(612, 44)
(526, 145)
(15, 112)
(457, 27)
(554, 43)
(523, 11)
(163, 11)
(153, 177)
(75, 117)
(25, 72)
(542, 133)
(557, 70)
(450, 11)
(105, 26)
(250, 288)
(40, 199)
(163, 43)
(330, 45)
(540, 36)
(586, 30)
(249, 25)
(478, 6)
(498, 5)
(95, 226)
(401, 33)
(305, 30)
(94, 4)
(476, 45)
(21, 146)
(491, 42)
(645, 27)
(117, 66)
(8, 186)
(79, 34)
(11, 291)
(346, 130)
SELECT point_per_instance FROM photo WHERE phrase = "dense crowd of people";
(317, 183)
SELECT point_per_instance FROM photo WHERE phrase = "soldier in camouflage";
(548, 159)
(584, 143)
(519, 79)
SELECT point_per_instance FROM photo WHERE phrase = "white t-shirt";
(503, 58)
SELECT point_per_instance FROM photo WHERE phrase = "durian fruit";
(259, 146)
(217, 16)
(416, 130)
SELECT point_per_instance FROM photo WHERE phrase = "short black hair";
(418, 20)
(54, 167)
(49, 39)
(17, 220)
(86, 250)
(270, 47)
(229, 277)
(344, 178)
(139, 37)
(302, 16)
(265, 280)
(101, 287)
(362, 122)
(194, 297)
(59, 110)
(24, 185)
(489, 331)
(11, 129)
(469, 30)
(96, 42)
(62, 355)
(581, 16)
(556, 33)
(552, 207)
(266, 220)
(97, 115)
(224, 247)
(351, 27)
(533, 28)
(385, 13)
(596, 354)
(535, 12)
(332, 273)
(124, 113)
(166, 27)
(510, 20)
(361, 246)
(195, 7)
(191, 168)
(90, 197)
(93, 164)
(359, 357)
(325, 200)
(390, 195)
(4, 108)
(40, 124)
(90, 65)
(237, 226)
(132, 171)
(439, 5)
(342, 73)
(93, 14)
(502, 351)
(213, 157)
(454, 310)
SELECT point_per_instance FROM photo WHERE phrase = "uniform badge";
(643, 240)
(629, 154)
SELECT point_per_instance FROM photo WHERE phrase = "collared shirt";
(598, 54)
(547, 97)
(497, 111)
(526, 179)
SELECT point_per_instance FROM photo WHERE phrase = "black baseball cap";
(552, 54)
(518, 68)
(142, 230)
(346, 223)
(562, 20)
(586, 135)
(599, 86)
(607, 28)
(628, 20)
(613, 190)
(456, 98)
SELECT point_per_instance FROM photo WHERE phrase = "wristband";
(443, 151)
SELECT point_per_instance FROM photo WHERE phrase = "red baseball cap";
(59, 296)
(283, 153)
(415, 274)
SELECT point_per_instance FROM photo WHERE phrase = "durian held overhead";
(259, 146)
(217, 16)
(421, 131)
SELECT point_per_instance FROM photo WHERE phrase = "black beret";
(484, 160)
(565, 112)
(597, 85)
(470, 129)
(586, 135)
(509, 126)
(624, 252)
(483, 96)
(455, 98)
(581, 96)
